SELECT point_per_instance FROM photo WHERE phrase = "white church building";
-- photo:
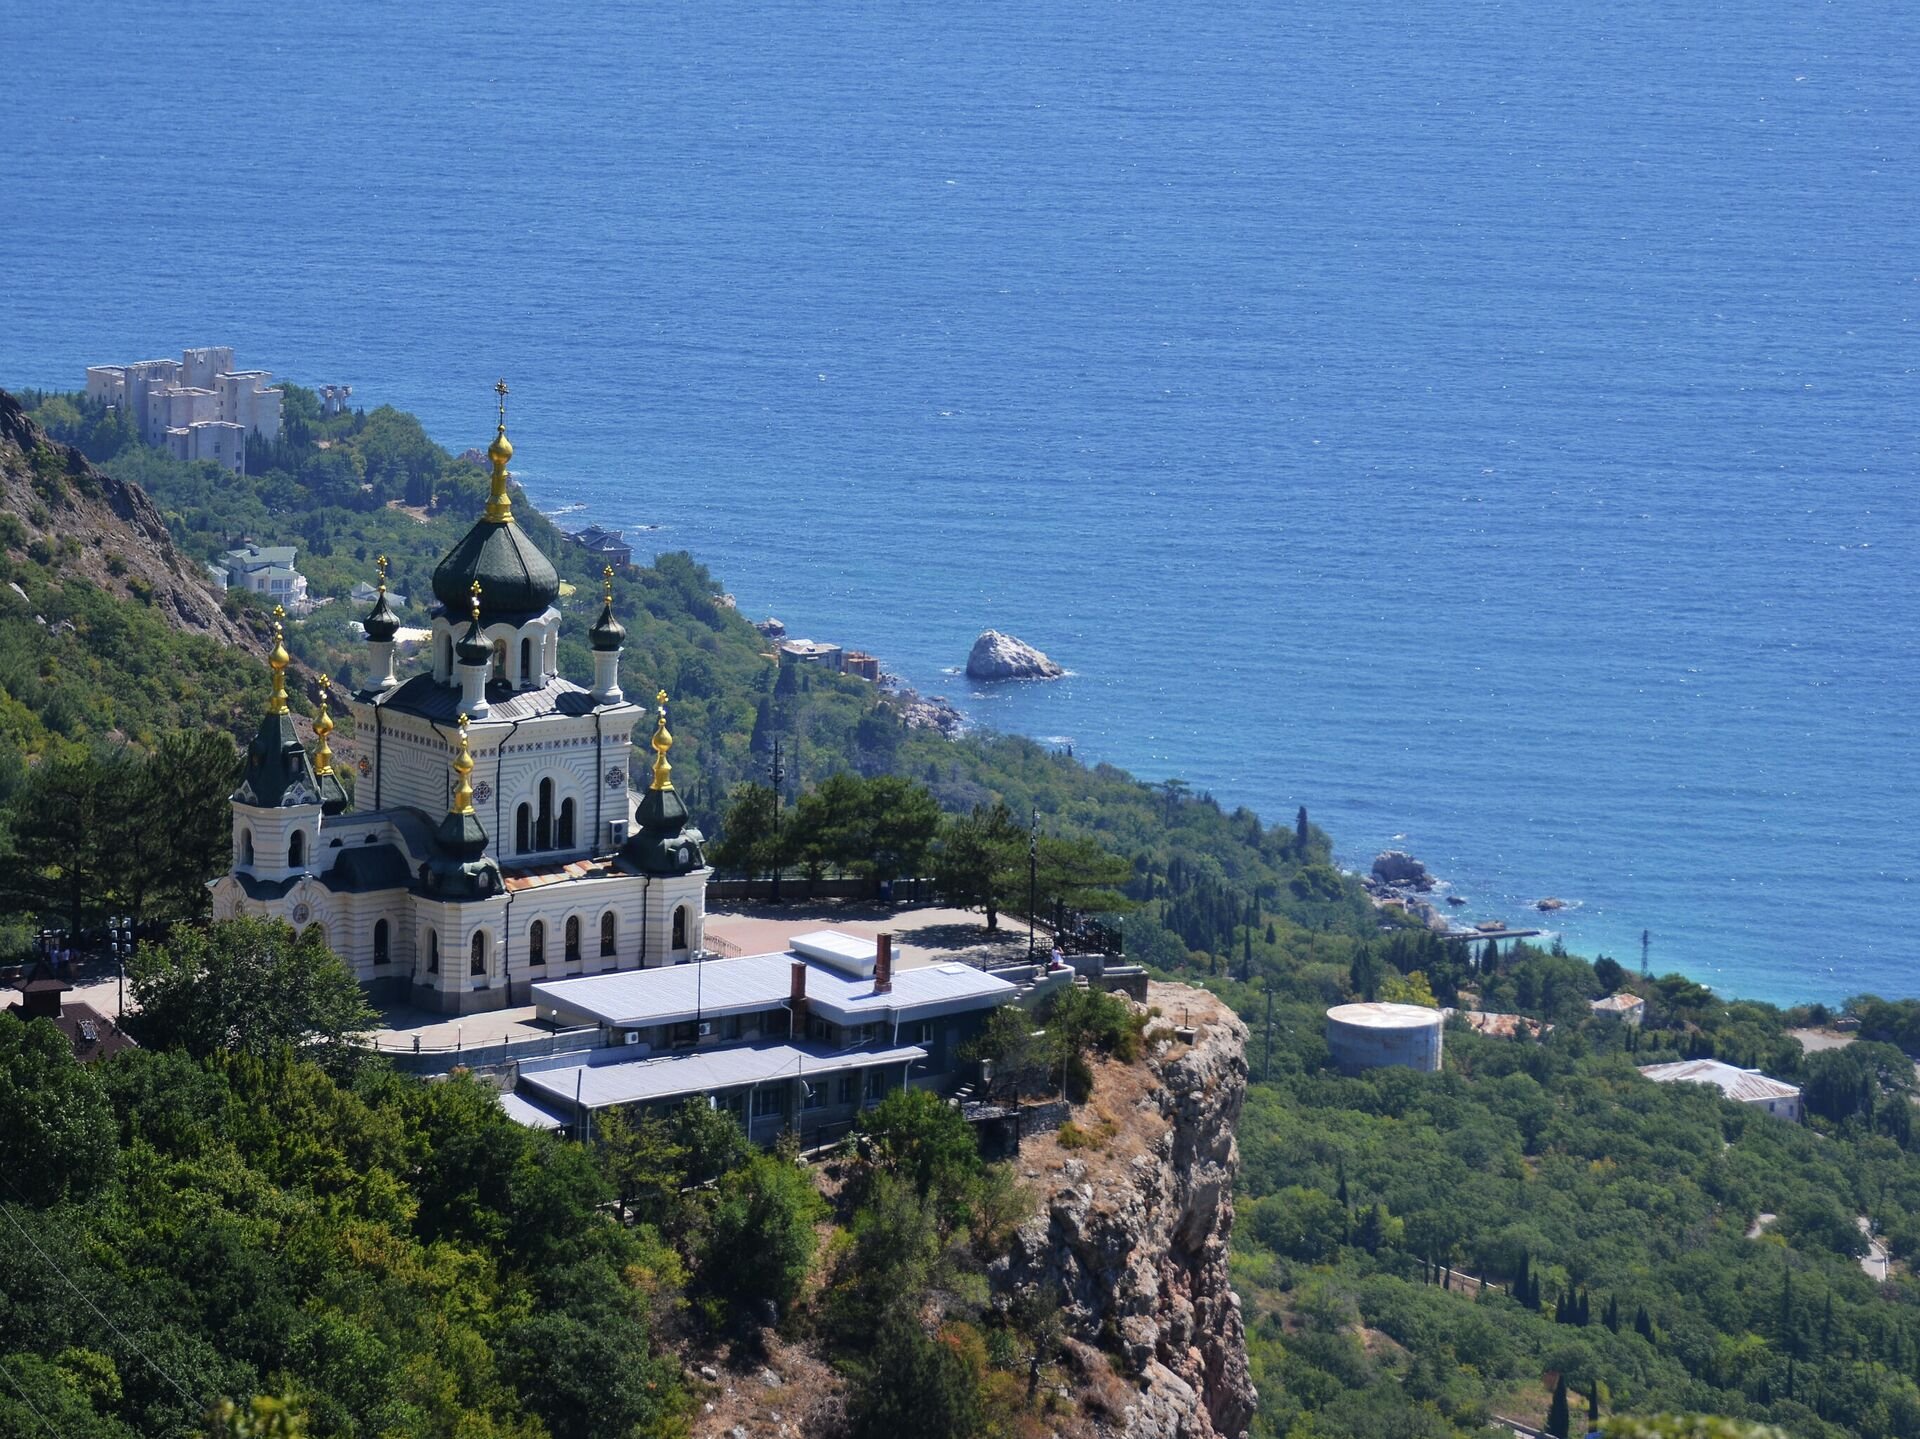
(496, 841)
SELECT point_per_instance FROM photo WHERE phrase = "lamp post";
(120, 935)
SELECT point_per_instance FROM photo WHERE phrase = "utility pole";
(776, 774)
(1646, 938)
(1033, 876)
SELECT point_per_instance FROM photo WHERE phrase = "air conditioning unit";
(616, 833)
(706, 1028)
(633, 1037)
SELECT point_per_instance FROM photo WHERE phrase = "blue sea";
(1491, 426)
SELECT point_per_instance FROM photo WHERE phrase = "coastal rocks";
(1131, 1240)
(919, 712)
(1002, 657)
(1401, 870)
(1549, 905)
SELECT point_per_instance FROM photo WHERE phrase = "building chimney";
(797, 998)
(883, 964)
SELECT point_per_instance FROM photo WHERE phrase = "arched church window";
(380, 933)
(522, 830)
(606, 935)
(543, 823)
(526, 661)
(573, 939)
(478, 964)
(566, 824)
(246, 846)
(433, 951)
(500, 661)
(537, 942)
(297, 849)
(680, 927)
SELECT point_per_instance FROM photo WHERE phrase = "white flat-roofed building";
(801, 1039)
(200, 388)
(1742, 1086)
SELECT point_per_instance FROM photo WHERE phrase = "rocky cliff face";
(1131, 1237)
(107, 531)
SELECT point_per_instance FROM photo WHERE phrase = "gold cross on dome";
(500, 389)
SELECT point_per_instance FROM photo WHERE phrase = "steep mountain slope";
(104, 627)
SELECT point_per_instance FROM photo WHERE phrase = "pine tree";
(1557, 1420)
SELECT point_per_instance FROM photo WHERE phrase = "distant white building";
(1628, 1008)
(1742, 1086)
(268, 571)
(810, 652)
(333, 399)
(197, 407)
(365, 594)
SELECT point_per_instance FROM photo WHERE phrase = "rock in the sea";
(1398, 868)
(1002, 657)
(1549, 905)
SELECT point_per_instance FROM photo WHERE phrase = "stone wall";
(1131, 1237)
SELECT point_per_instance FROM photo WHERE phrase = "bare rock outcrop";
(1131, 1238)
(1002, 657)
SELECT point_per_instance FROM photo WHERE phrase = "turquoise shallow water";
(1493, 428)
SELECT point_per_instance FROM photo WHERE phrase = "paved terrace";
(923, 935)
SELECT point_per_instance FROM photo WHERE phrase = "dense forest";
(1537, 1232)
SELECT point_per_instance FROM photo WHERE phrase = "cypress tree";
(1560, 1307)
(1611, 1316)
(1557, 1421)
(1519, 1287)
(1593, 1406)
(1586, 1309)
(1301, 833)
(1642, 1325)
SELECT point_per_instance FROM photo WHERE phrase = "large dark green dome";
(516, 580)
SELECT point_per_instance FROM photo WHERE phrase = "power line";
(152, 1363)
(15, 1383)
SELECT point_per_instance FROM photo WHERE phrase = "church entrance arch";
(680, 927)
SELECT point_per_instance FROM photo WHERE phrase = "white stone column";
(606, 676)
(473, 689)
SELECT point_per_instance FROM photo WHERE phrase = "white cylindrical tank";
(1373, 1036)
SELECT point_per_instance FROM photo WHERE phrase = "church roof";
(422, 697)
(278, 771)
(517, 582)
(367, 868)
